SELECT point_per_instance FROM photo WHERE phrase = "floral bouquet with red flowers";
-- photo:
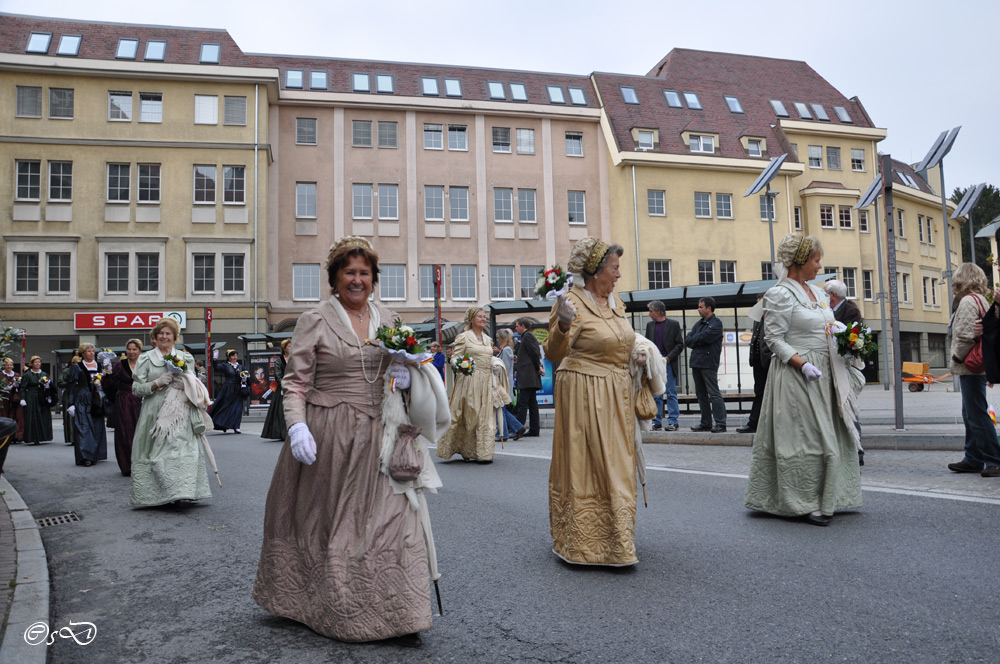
(552, 283)
(854, 339)
(401, 342)
(175, 364)
(464, 365)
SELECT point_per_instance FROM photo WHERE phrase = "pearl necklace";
(359, 316)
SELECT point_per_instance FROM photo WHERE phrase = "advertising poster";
(544, 395)
(262, 383)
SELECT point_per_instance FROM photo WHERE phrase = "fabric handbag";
(974, 359)
(244, 390)
(645, 405)
(407, 459)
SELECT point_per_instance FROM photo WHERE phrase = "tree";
(986, 211)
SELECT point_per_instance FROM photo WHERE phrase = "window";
(526, 205)
(733, 103)
(232, 273)
(673, 99)
(845, 217)
(429, 86)
(388, 201)
(850, 275)
(26, 273)
(463, 282)
(118, 183)
(754, 147)
(120, 106)
(457, 137)
(305, 200)
(701, 143)
(209, 54)
(60, 103)
(803, 111)
(577, 97)
(833, 158)
(574, 144)
(525, 141)
(829, 269)
(815, 156)
(724, 206)
(555, 94)
(904, 288)
(29, 102)
(317, 80)
(842, 114)
(766, 270)
(798, 218)
(206, 109)
(234, 184)
(155, 49)
(234, 111)
(501, 282)
(69, 45)
(392, 282)
(29, 180)
(293, 78)
(645, 139)
(204, 184)
(577, 203)
(518, 92)
(863, 221)
(779, 108)
(149, 183)
(727, 272)
(496, 90)
(452, 87)
(826, 216)
(204, 273)
(428, 289)
(361, 82)
(628, 94)
(39, 42)
(702, 204)
(692, 101)
(59, 272)
(857, 160)
(383, 83)
(150, 107)
(934, 287)
(927, 290)
(867, 285)
(900, 229)
(501, 139)
(503, 204)
(433, 138)
(305, 131)
(820, 112)
(127, 49)
(658, 273)
(60, 180)
(116, 276)
(930, 234)
(305, 282)
(362, 198)
(656, 202)
(920, 228)
(765, 209)
(147, 268)
(529, 277)
(361, 133)
(706, 273)
(458, 198)
(388, 135)
(434, 203)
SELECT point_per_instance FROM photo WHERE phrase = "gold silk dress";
(473, 425)
(592, 483)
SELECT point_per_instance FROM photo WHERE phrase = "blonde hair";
(162, 323)
(968, 278)
(135, 342)
(505, 338)
(470, 315)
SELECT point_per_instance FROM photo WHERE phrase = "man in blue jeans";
(705, 342)
(666, 335)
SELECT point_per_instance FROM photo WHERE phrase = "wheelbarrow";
(917, 374)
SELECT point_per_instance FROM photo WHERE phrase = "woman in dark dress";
(36, 392)
(124, 405)
(90, 438)
(227, 409)
(274, 423)
(10, 398)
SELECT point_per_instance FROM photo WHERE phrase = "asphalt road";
(905, 579)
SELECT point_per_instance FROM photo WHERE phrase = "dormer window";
(210, 54)
(692, 100)
(293, 78)
(803, 111)
(127, 49)
(733, 103)
(702, 143)
(518, 92)
(673, 99)
(820, 112)
(39, 42)
(628, 94)
(555, 94)
(361, 83)
(383, 83)
(452, 87)
(842, 114)
(496, 90)
(779, 108)
(576, 96)
(69, 45)
(317, 80)
(155, 49)
(429, 85)
(645, 139)
(754, 147)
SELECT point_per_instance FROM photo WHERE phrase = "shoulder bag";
(974, 360)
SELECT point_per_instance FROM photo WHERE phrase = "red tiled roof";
(899, 166)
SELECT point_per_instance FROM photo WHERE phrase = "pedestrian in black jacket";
(705, 342)
(760, 360)
(528, 371)
(666, 334)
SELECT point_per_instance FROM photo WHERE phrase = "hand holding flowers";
(552, 283)
(175, 364)
(464, 365)
(854, 339)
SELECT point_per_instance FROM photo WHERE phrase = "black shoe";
(407, 640)
(991, 471)
(819, 520)
(237, 431)
(670, 427)
(701, 427)
(520, 434)
(746, 429)
(719, 428)
(963, 466)
(531, 434)
(484, 461)
(861, 457)
(87, 463)
(657, 427)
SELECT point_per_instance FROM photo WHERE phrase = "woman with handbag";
(982, 450)
(90, 437)
(227, 409)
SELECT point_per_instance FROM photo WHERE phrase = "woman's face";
(36, 363)
(604, 281)
(8, 365)
(165, 338)
(234, 358)
(88, 354)
(812, 267)
(258, 375)
(480, 320)
(354, 283)
(132, 352)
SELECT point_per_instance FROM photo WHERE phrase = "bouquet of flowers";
(398, 337)
(45, 381)
(97, 379)
(175, 364)
(464, 365)
(853, 339)
(552, 283)
(244, 376)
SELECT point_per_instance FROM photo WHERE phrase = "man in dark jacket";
(844, 310)
(666, 335)
(705, 342)
(528, 372)
(760, 362)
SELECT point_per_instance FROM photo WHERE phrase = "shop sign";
(125, 320)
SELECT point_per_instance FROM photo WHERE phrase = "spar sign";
(125, 320)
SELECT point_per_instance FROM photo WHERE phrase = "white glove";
(72, 411)
(302, 442)
(566, 311)
(23, 402)
(400, 376)
(811, 372)
(163, 380)
(215, 354)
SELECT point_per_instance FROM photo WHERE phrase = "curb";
(918, 442)
(31, 594)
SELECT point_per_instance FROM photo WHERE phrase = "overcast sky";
(919, 66)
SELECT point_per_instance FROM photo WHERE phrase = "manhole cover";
(57, 520)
